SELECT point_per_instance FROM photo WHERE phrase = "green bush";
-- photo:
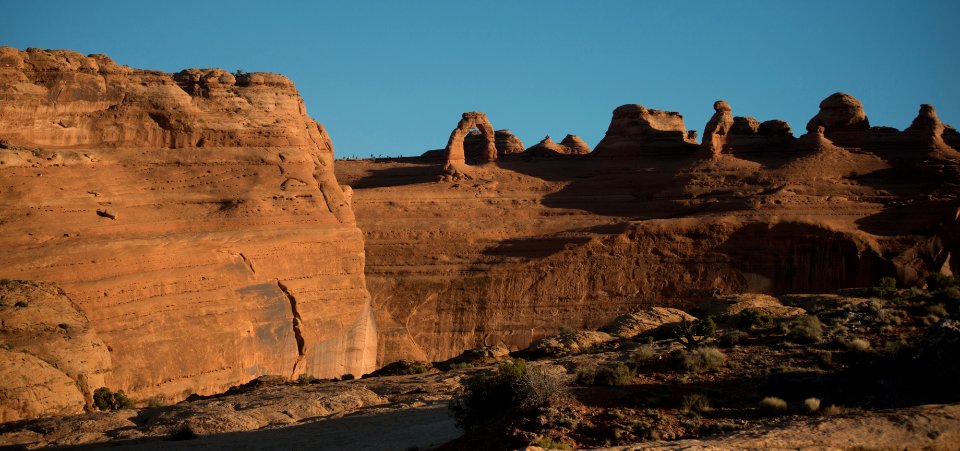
(306, 379)
(886, 287)
(706, 327)
(702, 359)
(805, 329)
(104, 399)
(753, 318)
(485, 397)
(607, 376)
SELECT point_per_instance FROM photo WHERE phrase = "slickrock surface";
(52, 356)
(529, 246)
(193, 217)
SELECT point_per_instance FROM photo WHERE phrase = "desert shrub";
(695, 404)
(347, 377)
(306, 379)
(706, 327)
(20, 304)
(753, 318)
(549, 443)
(702, 359)
(938, 281)
(732, 338)
(63, 326)
(485, 397)
(805, 329)
(811, 404)
(774, 405)
(885, 287)
(832, 409)
(541, 387)
(104, 399)
(643, 353)
(609, 376)
(858, 345)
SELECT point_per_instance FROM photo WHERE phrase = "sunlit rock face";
(194, 218)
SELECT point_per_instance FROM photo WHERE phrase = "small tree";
(104, 399)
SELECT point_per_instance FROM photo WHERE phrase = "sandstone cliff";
(193, 217)
(646, 221)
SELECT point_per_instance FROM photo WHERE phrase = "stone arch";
(474, 119)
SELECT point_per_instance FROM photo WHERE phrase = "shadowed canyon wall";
(193, 217)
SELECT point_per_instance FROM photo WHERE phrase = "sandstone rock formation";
(570, 145)
(53, 349)
(926, 128)
(637, 132)
(575, 145)
(566, 344)
(538, 244)
(507, 143)
(455, 157)
(732, 305)
(194, 218)
(546, 148)
(475, 145)
(647, 320)
(742, 136)
(715, 133)
(842, 118)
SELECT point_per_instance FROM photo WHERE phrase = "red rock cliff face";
(530, 245)
(194, 217)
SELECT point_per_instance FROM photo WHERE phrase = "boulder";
(33, 388)
(650, 320)
(48, 334)
(731, 305)
(567, 344)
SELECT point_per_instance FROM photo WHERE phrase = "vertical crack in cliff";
(297, 322)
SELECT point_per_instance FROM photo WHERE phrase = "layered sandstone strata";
(535, 245)
(193, 217)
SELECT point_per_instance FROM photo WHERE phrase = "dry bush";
(774, 405)
(858, 345)
(542, 386)
(812, 404)
(805, 329)
(702, 359)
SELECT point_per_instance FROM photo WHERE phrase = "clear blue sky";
(392, 77)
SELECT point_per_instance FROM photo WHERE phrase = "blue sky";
(392, 77)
